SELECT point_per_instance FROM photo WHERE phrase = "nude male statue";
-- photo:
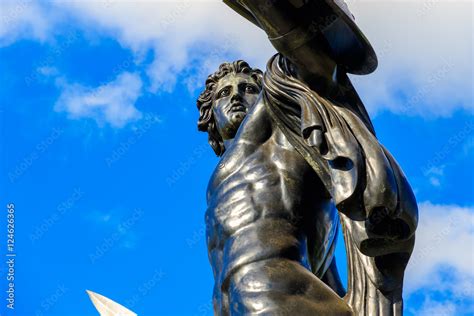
(295, 143)
(269, 223)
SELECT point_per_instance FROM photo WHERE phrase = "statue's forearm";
(295, 33)
(282, 20)
(275, 17)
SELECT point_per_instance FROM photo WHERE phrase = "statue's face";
(235, 95)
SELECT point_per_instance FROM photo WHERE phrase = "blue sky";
(100, 152)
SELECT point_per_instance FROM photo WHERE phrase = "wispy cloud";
(442, 262)
(116, 228)
(419, 71)
(24, 19)
(112, 103)
(435, 174)
(432, 78)
(431, 307)
(425, 56)
(184, 35)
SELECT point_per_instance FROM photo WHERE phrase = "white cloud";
(48, 71)
(434, 308)
(24, 19)
(111, 103)
(118, 227)
(443, 259)
(181, 33)
(424, 47)
(435, 174)
(445, 236)
(425, 54)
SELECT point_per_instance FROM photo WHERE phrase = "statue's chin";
(238, 117)
(234, 123)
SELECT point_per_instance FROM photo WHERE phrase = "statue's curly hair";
(206, 122)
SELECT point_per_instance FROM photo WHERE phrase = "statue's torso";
(264, 200)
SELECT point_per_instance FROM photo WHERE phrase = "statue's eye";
(250, 89)
(224, 92)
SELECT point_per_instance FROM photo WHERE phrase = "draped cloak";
(377, 207)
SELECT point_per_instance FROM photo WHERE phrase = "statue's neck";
(228, 143)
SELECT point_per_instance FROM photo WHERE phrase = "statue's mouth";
(237, 107)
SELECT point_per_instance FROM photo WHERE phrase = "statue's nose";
(236, 96)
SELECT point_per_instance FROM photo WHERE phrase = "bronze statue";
(299, 156)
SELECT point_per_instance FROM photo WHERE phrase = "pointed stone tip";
(105, 306)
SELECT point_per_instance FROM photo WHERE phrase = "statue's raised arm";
(378, 210)
(320, 39)
(311, 33)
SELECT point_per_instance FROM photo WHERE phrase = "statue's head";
(229, 94)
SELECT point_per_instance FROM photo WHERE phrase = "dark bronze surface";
(294, 24)
(300, 160)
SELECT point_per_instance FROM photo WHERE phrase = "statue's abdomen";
(262, 208)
